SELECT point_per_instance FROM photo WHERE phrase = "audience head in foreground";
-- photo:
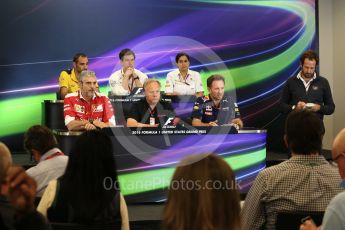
(82, 195)
(303, 133)
(43, 147)
(202, 195)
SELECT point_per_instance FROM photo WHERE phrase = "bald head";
(5, 160)
(338, 152)
(339, 143)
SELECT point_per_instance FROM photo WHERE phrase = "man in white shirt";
(51, 162)
(123, 81)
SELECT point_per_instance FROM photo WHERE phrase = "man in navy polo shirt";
(216, 108)
(307, 90)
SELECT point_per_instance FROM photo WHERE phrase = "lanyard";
(184, 80)
(54, 155)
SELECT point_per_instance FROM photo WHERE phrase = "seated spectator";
(304, 183)
(51, 162)
(183, 81)
(151, 111)
(216, 108)
(68, 80)
(334, 218)
(17, 196)
(125, 80)
(202, 195)
(88, 192)
(86, 109)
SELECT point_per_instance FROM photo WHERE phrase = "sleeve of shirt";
(63, 79)
(142, 77)
(197, 108)
(124, 213)
(108, 113)
(116, 85)
(253, 214)
(198, 83)
(47, 198)
(334, 218)
(285, 98)
(169, 86)
(328, 107)
(68, 110)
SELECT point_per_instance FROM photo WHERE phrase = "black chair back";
(94, 226)
(288, 221)
(145, 225)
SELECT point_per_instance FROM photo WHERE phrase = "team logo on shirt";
(99, 108)
(315, 87)
(226, 108)
(79, 108)
(208, 108)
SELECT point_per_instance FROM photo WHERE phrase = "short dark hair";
(215, 77)
(125, 52)
(181, 54)
(39, 138)
(311, 55)
(304, 131)
(77, 55)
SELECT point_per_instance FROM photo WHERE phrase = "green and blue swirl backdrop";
(254, 44)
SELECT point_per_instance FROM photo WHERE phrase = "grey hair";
(151, 80)
(86, 73)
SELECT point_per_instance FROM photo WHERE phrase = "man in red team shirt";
(87, 109)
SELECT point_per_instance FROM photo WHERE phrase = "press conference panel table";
(53, 118)
(146, 157)
(183, 105)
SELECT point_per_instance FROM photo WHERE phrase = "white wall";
(339, 64)
(332, 39)
(326, 59)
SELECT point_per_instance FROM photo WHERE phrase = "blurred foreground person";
(202, 195)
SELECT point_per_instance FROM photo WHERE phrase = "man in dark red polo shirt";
(87, 109)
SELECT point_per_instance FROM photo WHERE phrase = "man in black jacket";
(307, 90)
